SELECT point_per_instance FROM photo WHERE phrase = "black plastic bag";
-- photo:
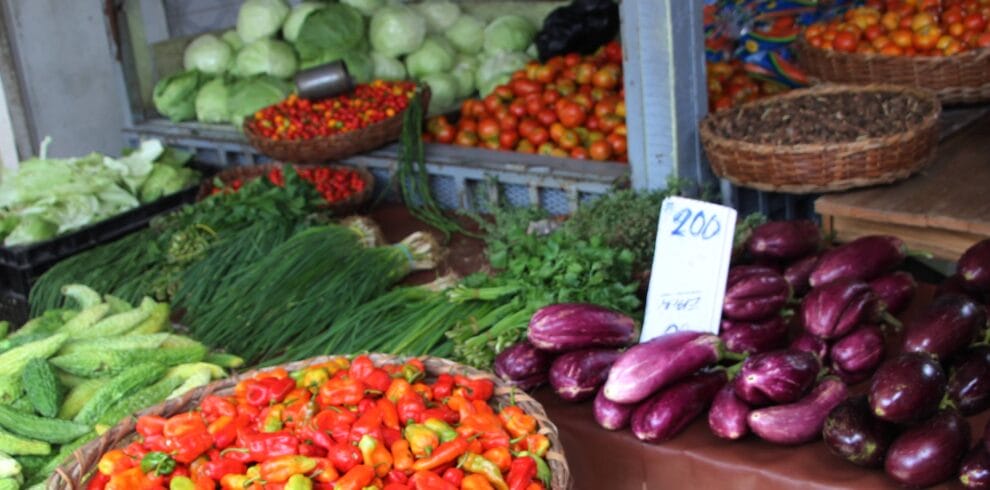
(581, 27)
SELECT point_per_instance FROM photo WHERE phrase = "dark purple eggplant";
(809, 343)
(727, 415)
(611, 415)
(851, 432)
(895, 291)
(523, 365)
(929, 452)
(862, 259)
(975, 469)
(974, 267)
(801, 421)
(645, 368)
(754, 293)
(799, 273)
(577, 375)
(835, 309)
(954, 285)
(969, 380)
(784, 240)
(571, 326)
(754, 337)
(946, 326)
(907, 388)
(776, 377)
(858, 354)
(668, 412)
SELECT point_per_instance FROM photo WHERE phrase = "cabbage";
(336, 28)
(208, 54)
(443, 92)
(233, 40)
(290, 30)
(387, 68)
(464, 74)
(266, 57)
(467, 34)
(211, 102)
(508, 33)
(259, 19)
(173, 95)
(32, 228)
(436, 55)
(165, 180)
(359, 66)
(367, 7)
(439, 14)
(498, 69)
(250, 95)
(396, 30)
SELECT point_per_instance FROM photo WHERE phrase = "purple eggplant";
(611, 415)
(809, 343)
(754, 293)
(975, 469)
(571, 326)
(862, 259)
(954, 285)
(969, 380)
(668, 412)
(929, 452)
(801, 421)
(754, 337)
(577, 375)
(727, 415)
(946, 326)
(852, 432)
(523, 365)
(647, 367)
(974, 267)
(784, 240)
(857, 355)
(835, 309)
(895, 291)
(776, 377)
(907, 388)
(799, 273)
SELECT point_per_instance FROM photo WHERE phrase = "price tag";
(690, 266)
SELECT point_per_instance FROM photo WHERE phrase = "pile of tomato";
(907, 28)
(334, 184)
(729, 85)
(301, 119)
(570, 106)
(338, 425)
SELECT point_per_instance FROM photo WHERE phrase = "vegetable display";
(333, 183)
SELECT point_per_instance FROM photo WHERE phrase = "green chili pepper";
(298, 482)
(158, 462)
(181, 483)
(476, 463)
(443, 429)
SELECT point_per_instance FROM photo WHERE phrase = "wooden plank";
(943, 244)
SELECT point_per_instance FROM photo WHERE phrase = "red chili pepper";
(224, 431)
(475, 389)
(217, 467)
(341, 392)
(521, 473)
(378, 380)
(188, 445)
(262, 392)
(370, 423)
(442, 413)
(428, 480)
(150, 425)
(443, 387)
(361, 366)
(344, 457)
(214, 407)
(410, 407)
(98, 482)
(264, 446)
(454, 476)
(389, 414)
(356, 478)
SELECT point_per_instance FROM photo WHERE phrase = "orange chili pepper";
(424, 390)
(535, 486)
(500, 456)
(517, 422)
(357, 478)
(482, 407)
(475, 482)
(402, 458)
(461, 405)
(447, 452)
(390, 416)
(114, 462)
(325, 471)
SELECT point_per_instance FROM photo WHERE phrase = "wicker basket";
(815, 168)
(72, 475)
(333, 147)
(249, 172)
(957, 79)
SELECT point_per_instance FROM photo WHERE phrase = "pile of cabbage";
(231, 76)
(45, 197)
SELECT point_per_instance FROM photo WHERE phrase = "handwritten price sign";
(687, 284)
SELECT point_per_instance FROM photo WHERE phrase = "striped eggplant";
(569, 326)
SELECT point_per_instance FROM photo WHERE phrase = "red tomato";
(503, 92)
(526, 126)
(545, 73)
(593, 123)
(609, 124)
(550, 96)
(556, 131)
(613, 52)
(517, 108)
(446, 134)
(492, 102)
(533, 105)
(605, 106)
(872, 32)
(466, 138)
(508, 122)
(583, 73)
(566, 87)
(569, 139)
(579, 153)
(524, 87)
(975, 22)
(571, 115)
(525, 146)
(508, 140)
(600, 150)
(618, 142)
(845, 41)
(607, 77)
(488, 129)
(538, 136)
(546, 117)
(571, 59)
(468, 124)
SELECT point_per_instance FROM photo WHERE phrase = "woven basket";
(72, 475)
(334, 147)
(958, 79)
(248, 172)
(816, 168)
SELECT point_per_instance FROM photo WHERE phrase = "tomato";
(579, 153)
(488, 129)
(620, 108)
(720, 103)
(901, 38)
(975, 22)
(890, 21)
(881, 42)
(538, 136)
(600, 150)
(571, 59)
(566, 87)
(556, 131)
(492, 102)
(613, 52)
(593, 123)
(845, 41)
(922, 20)
(944, 42)
(618, 143)
(606, 77)
(609, 124)
(517, 108)
(546, 117)
(508, 122)
(545, 74)
(525, 146)
(526, 126)
(952, 15)
(926, 37)
(583, 73)
(446, 134)
(549, 97)
(468, 124)
(584, 101)
(466, 138)
(546, 149)
(571, 115)
(472, 108)
(524, 87)
(569, 139)
(508, 140)
(872, 32)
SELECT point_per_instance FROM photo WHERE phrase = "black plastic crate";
(14, 309)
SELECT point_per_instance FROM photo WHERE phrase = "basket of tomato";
(940, 45)
(304, 131)
(333, 423)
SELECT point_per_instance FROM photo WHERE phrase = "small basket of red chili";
(331, 423)
(344, 188)
(305, 131)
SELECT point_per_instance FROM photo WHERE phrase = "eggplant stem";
(947, 403)
(891, 320)
(920, 254)
(733, 370)
(729, 355)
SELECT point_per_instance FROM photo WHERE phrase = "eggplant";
(611, 415)
(857, 355)
(851, 432)
(809, 343)
(784, 240)
(835, 309)
(727, 415)
(647, 367)
(929, 452)
(974, 267)
(895, 291)
(862, 259)
(954, 285)
(570, 326)
(969, 380)
(801, 421)
(754, 293)
(907, 388)
(754, 337)
(668, 412)
(799, 273)
(946, 326)
(776, 377)
(577, 375)
(975, 469)
(523, 365)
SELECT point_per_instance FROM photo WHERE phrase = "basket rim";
(976, 54)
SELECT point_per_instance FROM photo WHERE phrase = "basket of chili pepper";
(303, 131)
(374, 421)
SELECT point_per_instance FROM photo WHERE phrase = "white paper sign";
(690, 266)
